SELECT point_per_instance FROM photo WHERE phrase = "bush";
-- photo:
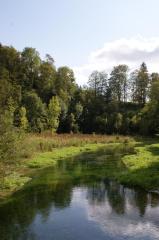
(9, 143)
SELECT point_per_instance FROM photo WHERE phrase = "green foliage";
(101, 124)
(122, 103)
(9, 143)
(72, 125)
(54, 110)
(119, 82)
(29, 71)
(78, 110)
(140, 83)
(36, 111)
(10, 61)
(98, 82)
(14, 181)
(23, 119)
(45, 83)
(65, 84)
(9, 135)
(118, 122)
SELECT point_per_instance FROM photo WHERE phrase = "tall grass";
(47, 142)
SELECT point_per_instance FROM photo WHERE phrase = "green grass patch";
(142, 168)
(46, 159)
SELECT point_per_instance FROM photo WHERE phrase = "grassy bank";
(130, 161)
(43, 150)
(142, 168)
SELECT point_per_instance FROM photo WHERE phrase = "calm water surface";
(73, 203)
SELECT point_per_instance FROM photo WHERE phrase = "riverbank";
(134, 162)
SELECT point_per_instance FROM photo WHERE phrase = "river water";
(73, 202)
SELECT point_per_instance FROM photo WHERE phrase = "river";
(74, 202)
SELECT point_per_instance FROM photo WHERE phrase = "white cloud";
(131, 51)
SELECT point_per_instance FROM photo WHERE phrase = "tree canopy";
(42, 97)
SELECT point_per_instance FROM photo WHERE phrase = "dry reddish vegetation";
(62, 140)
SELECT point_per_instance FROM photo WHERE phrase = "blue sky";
(74, 32)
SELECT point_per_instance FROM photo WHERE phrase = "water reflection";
(110, 192)
(124, 213)
(71, 203)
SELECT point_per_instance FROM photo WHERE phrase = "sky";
(85, 35)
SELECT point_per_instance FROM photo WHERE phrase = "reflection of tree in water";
(154, 199)
(108, 191)
(15, 217)
(96, 193)
(141, 200)
(116, 197)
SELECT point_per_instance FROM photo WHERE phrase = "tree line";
(35, 96)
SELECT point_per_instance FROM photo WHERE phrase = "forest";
(35, 96)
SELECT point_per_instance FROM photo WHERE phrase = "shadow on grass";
(146, 178)
(154, 150)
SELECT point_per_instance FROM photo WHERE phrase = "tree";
(49, 59)
(9, 135)
(101, 124)
(98, 83)
(72, 126)
(30, 63)
(5, 88)
(133, 86)
(140, 84)
(78, 110)
(23, 119)
(118, 122)
(150, 112)
(54, 110)
(36, 111)
(10, 60)
(65, 84)
(8, 90)
(45, 83)
(154, 89)
(118, 83)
